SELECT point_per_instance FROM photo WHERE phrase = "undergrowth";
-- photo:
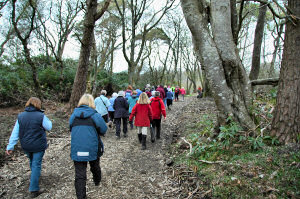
(236, 165)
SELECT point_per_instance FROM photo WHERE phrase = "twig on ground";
(205, 193)
(195, 191)
(210, 162)
(191, 146)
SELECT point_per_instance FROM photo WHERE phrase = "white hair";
(103, 92)
(114, 95)
(153, 93)
(121, 93)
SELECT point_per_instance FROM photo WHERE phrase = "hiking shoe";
(34, 194)
(118, 137)
(125, 135)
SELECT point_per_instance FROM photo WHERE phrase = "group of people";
(117, 108)
(87, 123)
(86, 126)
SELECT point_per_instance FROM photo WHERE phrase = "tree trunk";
(79, 85)
(259, 33)
(286, 121)
(219, 56)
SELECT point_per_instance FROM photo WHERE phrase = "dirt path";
(128, 172)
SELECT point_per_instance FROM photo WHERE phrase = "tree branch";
(103, 9)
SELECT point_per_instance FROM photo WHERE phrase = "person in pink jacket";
(182, 91)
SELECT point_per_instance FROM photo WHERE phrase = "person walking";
(111, 110)
(131, 102)
(86, 126)
(177, 92)
(128, 92)
(199, 91)
(158, 109)
(161, 91)
(30, 128)
(169, 98)
(165, 98)
(121, 113)
(102, 103)
(142, 112)
(183, 92)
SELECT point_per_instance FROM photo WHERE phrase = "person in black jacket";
(30, 129)
(121, 112)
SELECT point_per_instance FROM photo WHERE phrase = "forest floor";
(161, 171)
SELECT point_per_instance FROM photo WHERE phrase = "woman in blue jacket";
(131, 102)
(86, 126)
(31, 128)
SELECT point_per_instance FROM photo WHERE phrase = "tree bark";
(286, 121)
(259, 33)
(219, 56)
(90, 18)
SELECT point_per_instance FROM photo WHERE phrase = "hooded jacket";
(86, 126)
(132, 101)
(182, 91)
(162, 92)
(158, 107)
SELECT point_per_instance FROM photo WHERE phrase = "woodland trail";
(127, 171)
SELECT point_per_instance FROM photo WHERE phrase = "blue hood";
(84, 111)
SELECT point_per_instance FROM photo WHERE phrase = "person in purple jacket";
(30, 128)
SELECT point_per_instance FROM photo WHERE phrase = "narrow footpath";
(127, 171)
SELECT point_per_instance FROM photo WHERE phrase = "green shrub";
(15, 86)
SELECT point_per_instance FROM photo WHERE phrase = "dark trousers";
(80, 176)
(156, 125)
(176, 96)
(111, 115)
(118, 125)
(105, 117)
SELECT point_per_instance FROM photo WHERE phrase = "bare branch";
(269, 81)
(103, 9)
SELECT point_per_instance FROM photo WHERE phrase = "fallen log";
(268, 81)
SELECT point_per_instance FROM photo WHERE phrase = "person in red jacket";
(158, 109)
(143, 116)
(183, 92)
(161, 91)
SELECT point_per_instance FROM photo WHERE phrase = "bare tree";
(137, 10)
(91, 16)
(63, 20)
(24, 36)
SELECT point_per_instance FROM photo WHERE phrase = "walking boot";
(144, 142)
(140, 137)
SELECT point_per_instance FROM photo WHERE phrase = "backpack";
(176, 90)
(79, 121)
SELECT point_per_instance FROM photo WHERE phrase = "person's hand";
(165, 118)
(8, 152)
